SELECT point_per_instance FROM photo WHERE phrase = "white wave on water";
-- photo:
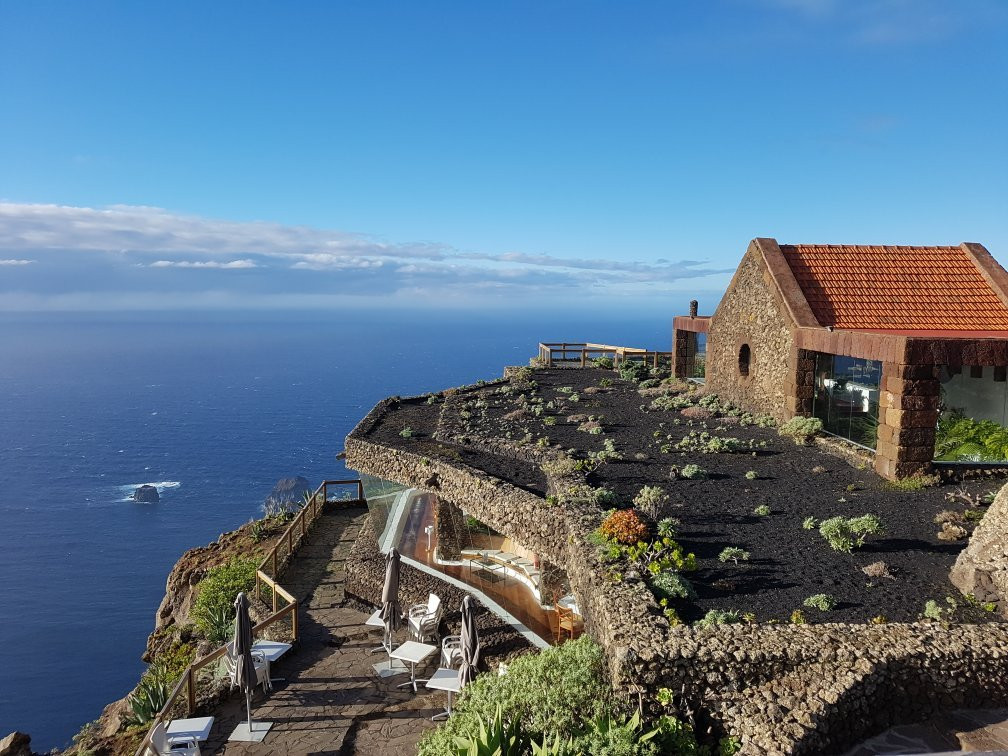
(161, 486)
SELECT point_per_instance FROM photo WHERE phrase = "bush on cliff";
(558, 690)
(213, 610)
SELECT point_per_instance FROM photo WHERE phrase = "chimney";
(693, 305)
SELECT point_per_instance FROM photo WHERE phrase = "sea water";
(212, 410)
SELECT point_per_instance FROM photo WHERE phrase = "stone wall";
(982, 567)
(808, 689)
(779, 689)
(908, 413)
(751, 312)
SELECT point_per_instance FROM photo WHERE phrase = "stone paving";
(982, 730)
(331, 701)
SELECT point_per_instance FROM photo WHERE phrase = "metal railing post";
(294, 620)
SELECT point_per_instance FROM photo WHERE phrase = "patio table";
(447, 680)
(414, 653)
(197, 727)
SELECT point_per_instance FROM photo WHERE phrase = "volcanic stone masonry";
(779, 689)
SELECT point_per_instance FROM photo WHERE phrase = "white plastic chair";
(424, 619)
(261, 668)
(451, 651)
(173, 745)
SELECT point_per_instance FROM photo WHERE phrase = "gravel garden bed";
(756, 492)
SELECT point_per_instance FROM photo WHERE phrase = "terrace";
(731, 591)
(733, 516)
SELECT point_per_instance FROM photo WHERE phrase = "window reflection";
(846, 397)
(973, 414)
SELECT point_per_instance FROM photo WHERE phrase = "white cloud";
(232, 265)
(16, 262)
(122, 246)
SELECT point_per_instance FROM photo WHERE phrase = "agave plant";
(220, 622)
(555, 747)
(495, 738)
(147, 700)
(606, 730)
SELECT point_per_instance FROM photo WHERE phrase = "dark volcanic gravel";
(787, 563)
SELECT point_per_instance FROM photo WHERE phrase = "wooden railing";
(277, 558)
(566, 352)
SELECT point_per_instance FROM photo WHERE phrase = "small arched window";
(744, 356)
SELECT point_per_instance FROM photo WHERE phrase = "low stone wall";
(982, 567)
(800, 689)
(365, 577)
(791, 689)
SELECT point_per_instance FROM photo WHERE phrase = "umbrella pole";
(248, 709)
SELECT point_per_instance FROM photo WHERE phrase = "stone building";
(880, 342)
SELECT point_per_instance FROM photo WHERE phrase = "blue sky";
(201, 155)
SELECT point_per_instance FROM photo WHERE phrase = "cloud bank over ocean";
(128, 257)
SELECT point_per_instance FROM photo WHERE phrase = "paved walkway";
(983, 730)
(330, 702)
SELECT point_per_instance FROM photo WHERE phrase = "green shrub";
(667, 527)
(522, 375)
(751, 475)
(147, 700)
(809, 523)
(650, 500)
(606, 363)
(608, 736)
(733, 554)
(496, 738)
(801, 429)
(406, 432)
(961, 438)
(693, 472)
(821, 601)
(259, 530)
(911, 483)
(719, 617)
(216, 593)
(763, 510)
(932, 610)
(668, 402)
(633, 371)
(560, 467)
(847, 533)
(670, 584)
(555, 691)
(649, 383)
(798, 617)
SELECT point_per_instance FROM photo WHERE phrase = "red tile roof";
(913, 288)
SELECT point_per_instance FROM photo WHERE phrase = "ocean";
(212, 409)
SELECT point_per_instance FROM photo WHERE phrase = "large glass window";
(974, 411)
(847, 397)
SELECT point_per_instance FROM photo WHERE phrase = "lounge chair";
(424, 619)
(164, 744)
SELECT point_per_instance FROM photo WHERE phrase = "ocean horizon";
(212, 409)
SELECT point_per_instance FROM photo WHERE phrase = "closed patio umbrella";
(245, 671)
(391, 612)
(469, 644)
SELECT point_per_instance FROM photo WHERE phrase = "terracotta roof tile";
(887, 288)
